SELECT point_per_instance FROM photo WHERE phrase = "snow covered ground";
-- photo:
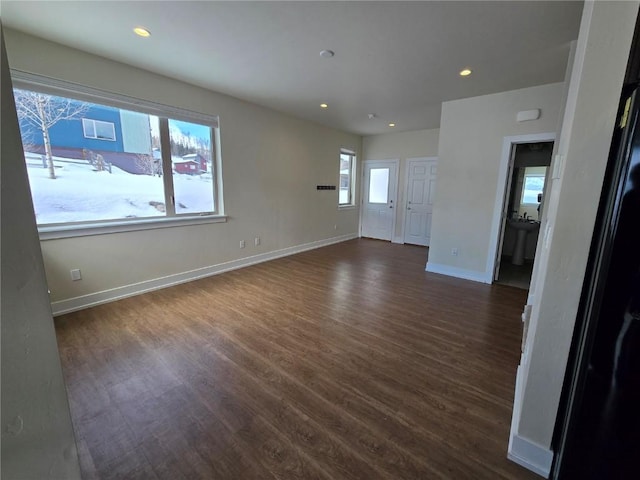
(81, 194)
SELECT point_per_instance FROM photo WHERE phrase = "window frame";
(95, 123)
(351, 188)
(46, 85)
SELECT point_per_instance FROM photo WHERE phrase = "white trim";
(406, 190)
(530, 455)
(397, 239)
(101, 228)
(118, 293)
(524, 452)
(458, 272)
(507, 145)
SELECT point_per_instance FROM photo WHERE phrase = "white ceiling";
(399, 60)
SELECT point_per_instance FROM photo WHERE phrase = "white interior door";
(421, 180)
(379, 198)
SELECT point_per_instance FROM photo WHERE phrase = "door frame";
(363, 186)
(405, 192)
(499, 220)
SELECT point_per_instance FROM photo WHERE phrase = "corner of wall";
(587, 127)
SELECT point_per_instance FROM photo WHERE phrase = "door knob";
(408, 208)
(390, 206)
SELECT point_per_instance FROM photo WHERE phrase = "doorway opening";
(527, 176)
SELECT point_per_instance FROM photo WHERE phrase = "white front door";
(421, 179)
(379, 198)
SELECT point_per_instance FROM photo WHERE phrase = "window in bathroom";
(533, 185)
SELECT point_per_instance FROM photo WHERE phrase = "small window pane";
(379, 185)
(193, 175)
(346, 166)
(89, 128)
(105, 131)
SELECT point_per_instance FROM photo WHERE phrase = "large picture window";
(153, 166)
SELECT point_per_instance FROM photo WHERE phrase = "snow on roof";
(183, 160)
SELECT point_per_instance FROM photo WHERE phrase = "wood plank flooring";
(346, 362)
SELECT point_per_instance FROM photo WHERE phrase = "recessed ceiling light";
(327, 53)
(465, 73)
(142, 32)
(373, 115)
(323, 105)
(392, 124)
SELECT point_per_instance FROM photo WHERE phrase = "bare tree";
(43, 112)
(146, 164)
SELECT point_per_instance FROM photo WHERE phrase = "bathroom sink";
(523, 228)
(526, 225)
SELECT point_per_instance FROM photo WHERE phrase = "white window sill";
(102, 228)
(346, 207)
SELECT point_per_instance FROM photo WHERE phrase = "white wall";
(37, 436)
(271, 166)
(472, 131)
(401, 145)
(596, 80)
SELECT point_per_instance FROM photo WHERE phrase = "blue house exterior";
(73, 133)
(121, 137)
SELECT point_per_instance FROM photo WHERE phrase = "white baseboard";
(105, 296)
(530, 455)
(524, 452)
(399, 240)
(457, 272)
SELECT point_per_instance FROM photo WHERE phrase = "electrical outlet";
(76, 274)
(241, 243)
(454, 252)
(257, 241)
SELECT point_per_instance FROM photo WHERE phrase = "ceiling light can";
(142, 32)
(327, 53)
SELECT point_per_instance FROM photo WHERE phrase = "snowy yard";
(79, 193)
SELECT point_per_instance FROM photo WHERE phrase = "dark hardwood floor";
(346, 362)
